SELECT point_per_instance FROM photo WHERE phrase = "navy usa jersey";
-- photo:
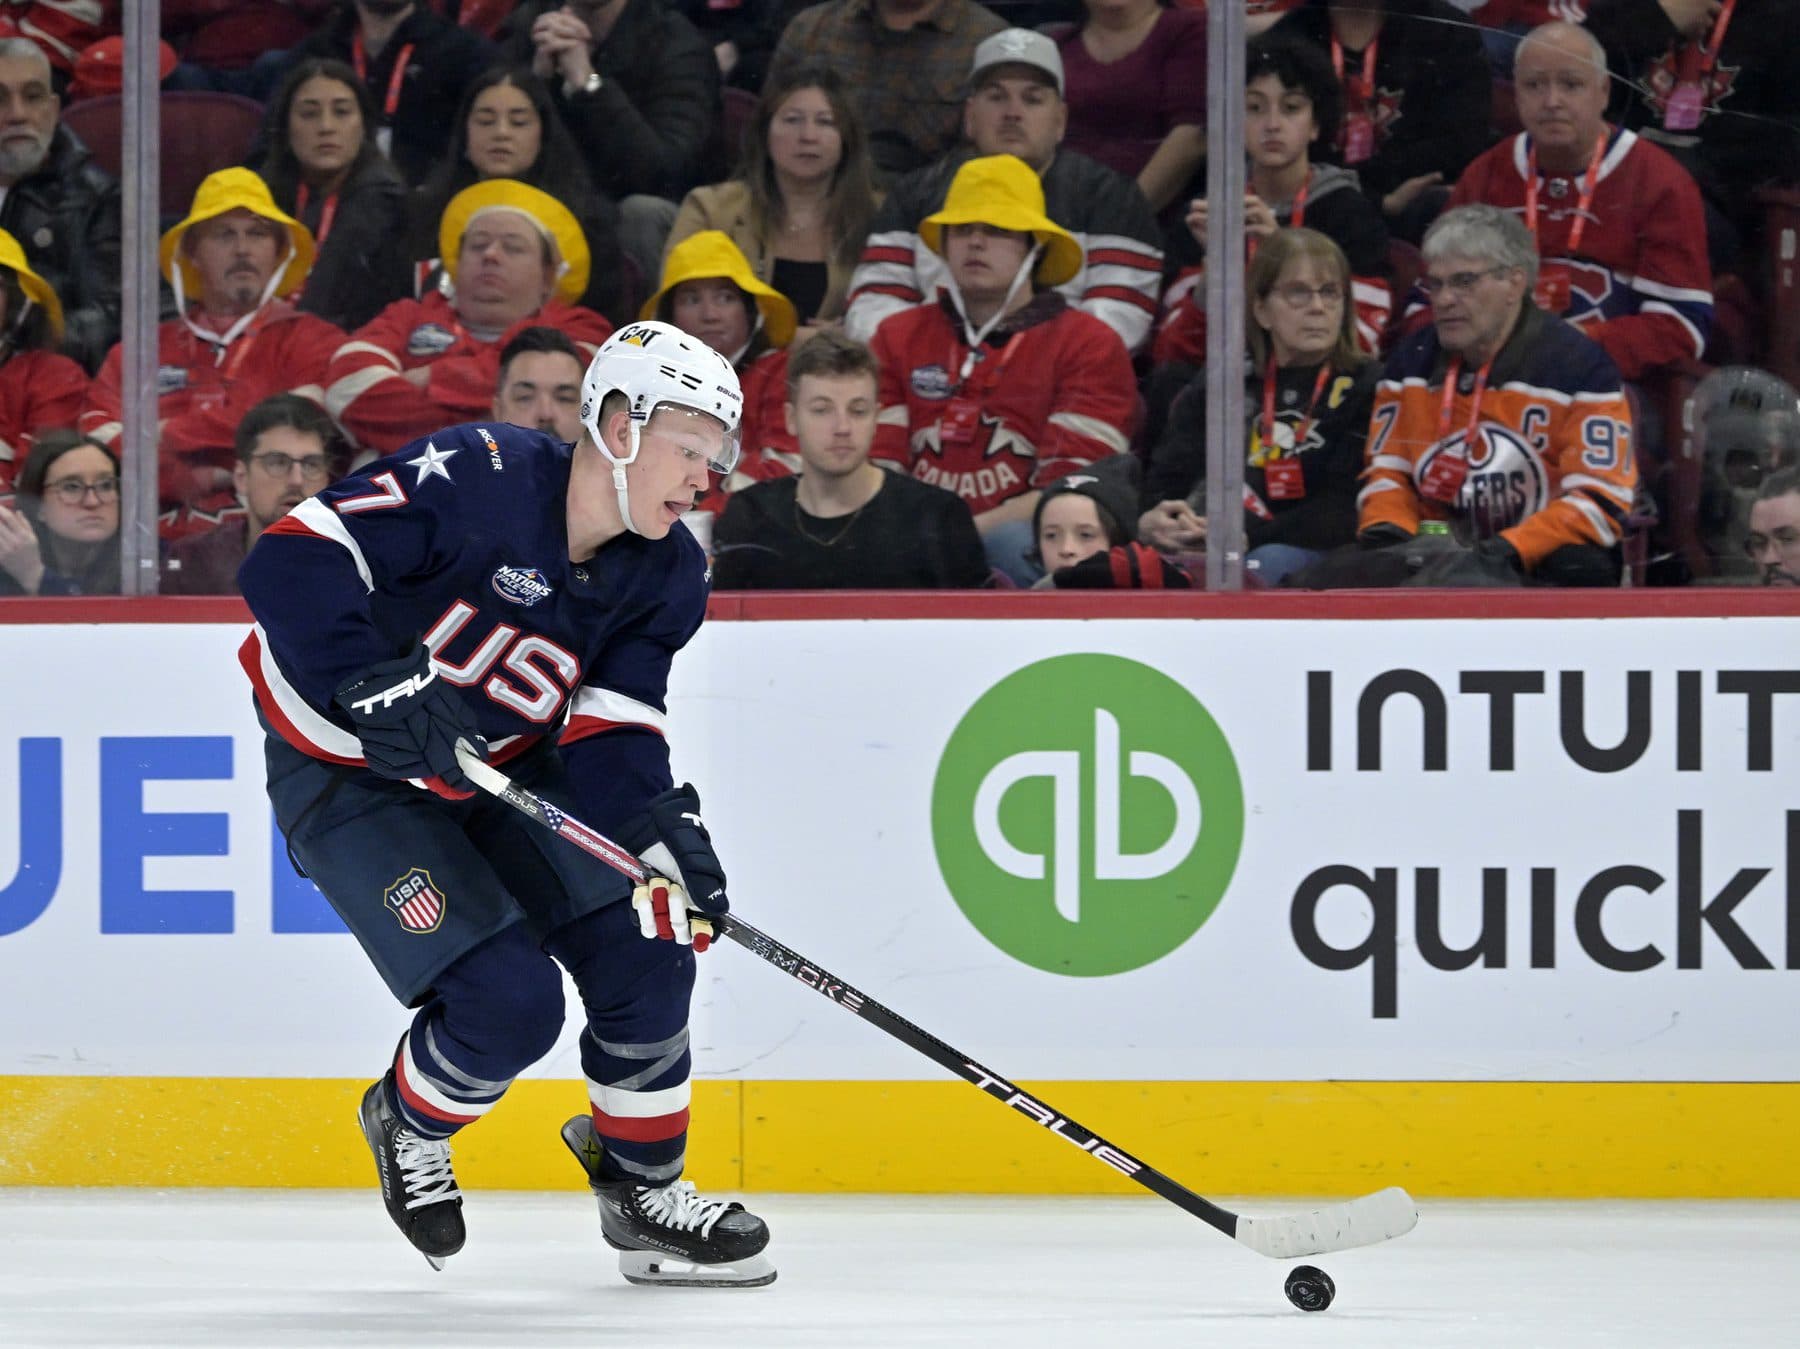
(460, 541)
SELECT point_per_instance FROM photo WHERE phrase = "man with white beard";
(60, 205)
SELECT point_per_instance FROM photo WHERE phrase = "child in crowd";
(1085, 532)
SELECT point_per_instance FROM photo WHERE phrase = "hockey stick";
(1361, 1222)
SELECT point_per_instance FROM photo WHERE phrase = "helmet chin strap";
(618, 474)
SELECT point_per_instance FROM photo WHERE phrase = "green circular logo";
(1087, 815)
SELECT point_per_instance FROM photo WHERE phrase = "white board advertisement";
(1134, 850)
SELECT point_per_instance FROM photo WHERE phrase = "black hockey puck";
(1309, 1288)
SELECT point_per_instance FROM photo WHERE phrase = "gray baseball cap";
(1018, 47)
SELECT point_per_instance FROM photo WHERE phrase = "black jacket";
(653, 126)
(66, 217)
(362, 265)
(1749, 133)
(1330, 457)
(1430, 59)
(443, 60)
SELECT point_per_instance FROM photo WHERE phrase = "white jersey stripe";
(323, 521)
(308, 724)
(606, 705)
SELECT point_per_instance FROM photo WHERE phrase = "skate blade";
(435, 1261)
(669, 1271)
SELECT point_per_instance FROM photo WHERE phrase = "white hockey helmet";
(656, 365)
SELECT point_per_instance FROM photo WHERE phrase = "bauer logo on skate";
(416, 901)
(1116, 883)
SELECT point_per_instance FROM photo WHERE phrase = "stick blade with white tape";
(1381, 1216)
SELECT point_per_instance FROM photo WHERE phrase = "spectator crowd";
(1518, 310)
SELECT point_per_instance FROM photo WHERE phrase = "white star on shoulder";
(432, 461)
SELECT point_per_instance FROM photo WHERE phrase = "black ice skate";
(668, 1234)
(416, 1181)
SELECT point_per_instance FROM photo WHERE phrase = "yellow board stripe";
(1503, 1139)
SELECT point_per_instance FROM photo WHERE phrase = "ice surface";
(272, 1268)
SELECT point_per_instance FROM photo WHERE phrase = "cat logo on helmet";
(638, 336)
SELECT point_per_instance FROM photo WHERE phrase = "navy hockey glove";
(409, 721)
(689, 887)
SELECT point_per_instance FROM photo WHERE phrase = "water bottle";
(1433, 537)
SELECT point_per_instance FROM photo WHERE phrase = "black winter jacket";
(653, 126)
(67, 218)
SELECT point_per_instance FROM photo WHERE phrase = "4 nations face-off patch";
(416, 901)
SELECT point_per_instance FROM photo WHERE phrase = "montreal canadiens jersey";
(1639, 284)
(460, 541)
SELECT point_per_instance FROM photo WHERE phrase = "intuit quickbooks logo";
(1087, 815)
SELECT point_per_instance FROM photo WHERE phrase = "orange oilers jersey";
(1550, 461)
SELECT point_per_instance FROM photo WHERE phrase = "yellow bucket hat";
(711, 253)
(227, 190)
(35, 287)
(1002, 191)
(540, 208)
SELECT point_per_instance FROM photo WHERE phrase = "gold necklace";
(836, 538)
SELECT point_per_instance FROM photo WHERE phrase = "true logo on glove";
(406, 688)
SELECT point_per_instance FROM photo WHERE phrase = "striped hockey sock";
(639, 1094)
(433, 1094)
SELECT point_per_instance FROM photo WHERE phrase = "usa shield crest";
(416, 901)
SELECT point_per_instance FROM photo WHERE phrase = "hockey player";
(488, 584)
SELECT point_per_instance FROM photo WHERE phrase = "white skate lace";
(678, 1206)
(425, 1167)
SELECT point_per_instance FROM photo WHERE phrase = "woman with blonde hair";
(800, 207)
(1308, 388)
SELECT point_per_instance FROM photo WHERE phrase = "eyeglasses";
(1300, 296)
(1457, 283)
(73, 491)
(279, 465)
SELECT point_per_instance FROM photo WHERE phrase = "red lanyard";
(359, 58)
(1296, 217)
(327, 213)
(995, 368)
(1306, 422)
(1451, 376)
(1366, 90)
(1695, 64)
(1588, 183)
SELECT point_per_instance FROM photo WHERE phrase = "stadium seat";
(201, 133)
(1503, 111)
(233, 40)
(1781, 244)
(739, 108)
(1404, 266)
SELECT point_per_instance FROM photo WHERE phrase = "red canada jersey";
(1048, 392)
(203, 390)
(369, 395)
(38, 390)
